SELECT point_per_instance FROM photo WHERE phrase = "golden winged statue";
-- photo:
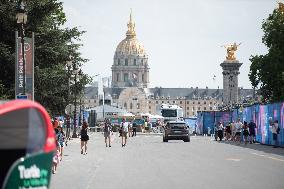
(281, 6)
(231, 48)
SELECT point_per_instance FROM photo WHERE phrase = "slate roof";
(188, 93)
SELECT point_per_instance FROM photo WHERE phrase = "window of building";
(131, 105)
(118, 62)
(204, 108)
(211, 108)
(157, 102)
(187, 102)
(211, 102)
(125, 77)
(187, 113)
(95, 101)
(168, 102)
(187, 108)
(89, 100)
(180, 102)
(125, 105)
(193, 102)
(198, 108)
(138, 105)
(126, 62)
(198, 102)
(204, 102)
(150, 107)
(142, 61)
(142, 77)
(117, 77)
(174, 102)
(162, 102)
(134, 62)
(149, 102)
(193, 108)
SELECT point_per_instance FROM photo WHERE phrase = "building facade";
(130, 85)
(130, 63)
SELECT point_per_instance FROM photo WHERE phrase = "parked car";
(176, 130)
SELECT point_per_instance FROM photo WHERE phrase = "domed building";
(129, 89)
(130, 66)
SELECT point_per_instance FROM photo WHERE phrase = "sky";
(182, 38)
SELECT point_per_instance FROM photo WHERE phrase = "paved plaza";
(147, 162)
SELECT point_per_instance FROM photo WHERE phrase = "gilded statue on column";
(231, 49)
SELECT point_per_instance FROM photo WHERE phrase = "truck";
(171, 112)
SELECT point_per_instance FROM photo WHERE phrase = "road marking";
(233, 159)
(269, 157)
(261, 155)
(274, 158)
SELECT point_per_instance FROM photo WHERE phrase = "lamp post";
(74, 135)
(69, 64)
(80, 112)
(21, 17)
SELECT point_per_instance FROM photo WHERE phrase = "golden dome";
(130, 45)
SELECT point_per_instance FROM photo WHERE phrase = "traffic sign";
(22, 97)
(69, 109)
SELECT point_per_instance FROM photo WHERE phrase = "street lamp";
(21, 17)
(74, 135)
(69, 64)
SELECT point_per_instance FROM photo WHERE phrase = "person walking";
(245, 132)
(61, 139)
(252, 127)
(107, 132)
(228, 131)
(275, 132)
(134, 127)
(124, 131)
(84, 137)
(216, 131)
(238, 128)
(220, 128)
(130, 130)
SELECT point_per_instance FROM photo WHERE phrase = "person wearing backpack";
(107, 132)
(275, 132)
(124, 131)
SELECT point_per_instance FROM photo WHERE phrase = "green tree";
(267, 71)
(54, 45)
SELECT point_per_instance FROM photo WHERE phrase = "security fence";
(262, 115)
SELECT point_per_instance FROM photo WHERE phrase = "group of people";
(126, 129)
(235, 131)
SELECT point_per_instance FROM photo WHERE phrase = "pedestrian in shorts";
(107, 132)
(238, 127)
(124, 132)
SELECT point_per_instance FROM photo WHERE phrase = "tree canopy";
(54, 46)
(267, 71)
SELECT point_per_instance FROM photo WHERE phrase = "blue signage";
(22, 97)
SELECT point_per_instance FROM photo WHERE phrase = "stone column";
(230, 81)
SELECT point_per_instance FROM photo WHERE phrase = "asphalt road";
(146, 162)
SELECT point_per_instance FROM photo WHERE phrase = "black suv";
(176, 130)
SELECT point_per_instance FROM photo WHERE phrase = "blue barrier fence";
(260, 114)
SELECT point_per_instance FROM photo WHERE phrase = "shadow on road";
(258, 147)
